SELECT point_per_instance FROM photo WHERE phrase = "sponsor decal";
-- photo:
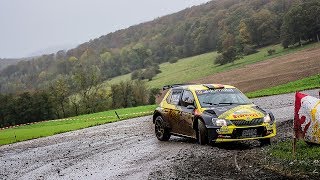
(199, 92)
(223, 129)
(243, 112)
(245, 116)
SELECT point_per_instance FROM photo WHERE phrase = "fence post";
(294, 147)
(117, 115)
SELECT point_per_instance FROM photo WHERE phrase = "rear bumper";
(234, 133)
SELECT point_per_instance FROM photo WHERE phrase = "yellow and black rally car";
(211, 113)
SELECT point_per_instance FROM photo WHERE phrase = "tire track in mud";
(129, 150)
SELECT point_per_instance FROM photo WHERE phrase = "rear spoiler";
(215, 86)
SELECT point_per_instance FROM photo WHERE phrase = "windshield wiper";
(228, 103)
(222, 103)
(209, 103)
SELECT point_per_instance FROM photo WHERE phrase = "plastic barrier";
(75, 118)
(307, 118)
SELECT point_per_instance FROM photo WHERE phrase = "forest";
(232, 27)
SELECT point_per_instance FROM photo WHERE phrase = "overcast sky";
(30, 26)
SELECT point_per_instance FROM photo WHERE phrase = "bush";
(271, 52)
(129, 94)
(219, 60)
(173, 60)
(136, 74)
(152, 96)
(247, 50)
(147, 73)
(228, 56)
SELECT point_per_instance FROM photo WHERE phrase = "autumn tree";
(301, 23)
(60, 91)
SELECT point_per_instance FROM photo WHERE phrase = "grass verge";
(49, 128)
(306, 159)
(311, 82)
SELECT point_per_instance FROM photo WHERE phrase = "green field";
(306, 158)
(196, 67)
(48, 128)
(311, 82)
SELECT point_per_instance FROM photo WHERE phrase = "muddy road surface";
(129, 150)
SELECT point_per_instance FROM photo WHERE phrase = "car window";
(221, 97)
(175, 97)
(169, 97)
(187, 98)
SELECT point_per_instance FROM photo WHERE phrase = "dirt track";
(129, 150)
(270, 73)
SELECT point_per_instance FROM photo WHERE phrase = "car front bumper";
(240, 133)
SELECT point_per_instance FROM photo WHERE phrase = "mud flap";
(212, 135)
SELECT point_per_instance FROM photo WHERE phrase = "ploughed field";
(129, 150)
(265, 74)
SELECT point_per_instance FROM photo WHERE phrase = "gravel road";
(282, 106)
(129, 150)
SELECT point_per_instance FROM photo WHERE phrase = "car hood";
(237, 112)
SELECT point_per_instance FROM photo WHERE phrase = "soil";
(272, 72)
(129, 150)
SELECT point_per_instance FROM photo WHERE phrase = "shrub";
(271, 52)
(219, 60)
(136, 74)
(173, 60)
(228, 56)
(247, 50)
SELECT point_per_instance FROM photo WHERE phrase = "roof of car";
(198, 86)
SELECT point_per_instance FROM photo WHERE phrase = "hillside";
(216, 25)
(284, 64)
(270, 73)
(7, 62)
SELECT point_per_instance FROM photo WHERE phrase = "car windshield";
(218, 97)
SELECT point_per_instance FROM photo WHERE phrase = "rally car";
(211, 113)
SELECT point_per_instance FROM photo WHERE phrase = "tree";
(228, 56)
(60, 91)
(4, 109)
(129, 93)
(154, 92)
(300, 23)
(86, 80)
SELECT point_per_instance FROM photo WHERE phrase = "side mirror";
(191, 107)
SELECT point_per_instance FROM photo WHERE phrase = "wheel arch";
(155, 115)
(195, 122)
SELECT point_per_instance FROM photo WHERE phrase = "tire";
(161, 131)
(265, 142)
(311, 144)
(202, 133)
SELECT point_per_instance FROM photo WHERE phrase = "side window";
(169, 97)
(187, 98)
(175, 97)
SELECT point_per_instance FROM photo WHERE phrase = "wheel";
(202, 133)
(162, 133)
(265, 142)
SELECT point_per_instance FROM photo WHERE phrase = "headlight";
(267, 119)
(219, 122)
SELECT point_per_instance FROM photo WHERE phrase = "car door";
(173, 110)
(186, 114)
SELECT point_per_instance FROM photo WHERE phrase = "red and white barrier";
(307, 118)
